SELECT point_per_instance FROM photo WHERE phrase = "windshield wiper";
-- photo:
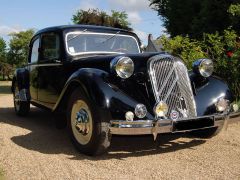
(85, 30)
(110, 37)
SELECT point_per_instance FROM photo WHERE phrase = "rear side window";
(50, 46)
(34, 52)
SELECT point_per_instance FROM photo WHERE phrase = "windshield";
(87, 42)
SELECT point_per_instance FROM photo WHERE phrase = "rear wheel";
(206, 133)
(88, 133)
(22, 108)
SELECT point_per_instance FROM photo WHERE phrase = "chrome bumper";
(141, 127)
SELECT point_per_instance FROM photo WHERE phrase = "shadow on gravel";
(45, 138)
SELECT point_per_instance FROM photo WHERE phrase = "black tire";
(206, 133)
(100, 138)
(22, 108)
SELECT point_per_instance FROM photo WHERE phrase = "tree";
(234, 10)
(119, 20)
(18, 47)
(195, 17)
(4, 66)
(101, 18)
(6, 70)
(3, 47)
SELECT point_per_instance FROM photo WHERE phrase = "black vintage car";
(98, 82)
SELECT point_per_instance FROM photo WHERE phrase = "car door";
(50, 69)
(32, 67)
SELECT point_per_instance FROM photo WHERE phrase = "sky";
(19, 15)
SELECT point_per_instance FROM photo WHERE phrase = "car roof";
(94, 28)
(80, 27)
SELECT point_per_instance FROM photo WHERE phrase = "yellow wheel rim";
(81, 122)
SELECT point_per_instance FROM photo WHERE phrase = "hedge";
(224, 50)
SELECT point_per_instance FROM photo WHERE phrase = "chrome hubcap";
(82, 122)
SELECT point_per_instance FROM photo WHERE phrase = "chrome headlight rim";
(123, 66)
(204, 67)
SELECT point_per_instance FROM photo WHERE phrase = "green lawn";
(5, 87)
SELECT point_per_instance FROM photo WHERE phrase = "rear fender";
(21, 77)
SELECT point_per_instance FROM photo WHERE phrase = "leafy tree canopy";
(101, 18)
(196, 17)
(234, 11)
(2, 47)
(5, 68)
(19, 46)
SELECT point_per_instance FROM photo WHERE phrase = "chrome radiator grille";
(171, 84)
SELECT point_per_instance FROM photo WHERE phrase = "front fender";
(208, 93)
(98, 87)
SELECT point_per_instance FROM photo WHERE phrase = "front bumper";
(140, 127)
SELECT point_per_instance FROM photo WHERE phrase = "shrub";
(224, 50)
(187, 49)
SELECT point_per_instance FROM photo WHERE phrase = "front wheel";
(88, 133)
(22, 108)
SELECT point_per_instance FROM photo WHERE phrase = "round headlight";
(206, 68)
(124, 67)
(140, 110)
(203, 67)
(161, 109)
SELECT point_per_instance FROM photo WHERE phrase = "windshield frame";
(97, 52)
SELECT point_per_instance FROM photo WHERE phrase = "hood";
(102, 61)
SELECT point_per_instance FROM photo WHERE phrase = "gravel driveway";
(32, 148)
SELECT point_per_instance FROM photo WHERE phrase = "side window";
(50, 46)
(34, 52)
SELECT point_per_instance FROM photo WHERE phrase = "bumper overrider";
(141, 127)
